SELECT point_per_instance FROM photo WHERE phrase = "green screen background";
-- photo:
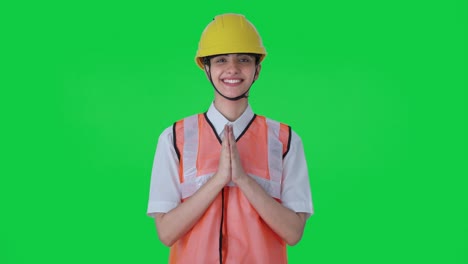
(377, 90)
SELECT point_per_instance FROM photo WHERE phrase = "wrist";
(218, 181)
(243, 181)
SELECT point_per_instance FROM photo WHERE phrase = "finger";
(226, 133)
(225, 149)
(225, 140)
(231, 141)
(232, 134)
(233, 145)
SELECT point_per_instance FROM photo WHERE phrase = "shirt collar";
(239, 125)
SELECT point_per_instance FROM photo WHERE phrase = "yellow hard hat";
(229, 33)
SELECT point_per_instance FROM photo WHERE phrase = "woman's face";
(233, 74)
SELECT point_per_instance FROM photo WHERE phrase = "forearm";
(176, 223)
(288, 224)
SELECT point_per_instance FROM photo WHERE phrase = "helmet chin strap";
(244, 95)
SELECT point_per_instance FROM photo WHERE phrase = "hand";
(237, 171)
(224, 173)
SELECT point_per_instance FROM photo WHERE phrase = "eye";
(246, 59)
(219, 60)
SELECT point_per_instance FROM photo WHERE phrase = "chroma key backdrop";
(377, 91)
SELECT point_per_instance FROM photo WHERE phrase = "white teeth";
(231, 81)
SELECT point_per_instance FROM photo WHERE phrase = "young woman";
(230, 186)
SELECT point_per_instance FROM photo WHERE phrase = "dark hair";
(206, 60)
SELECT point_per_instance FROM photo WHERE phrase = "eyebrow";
(237, 54)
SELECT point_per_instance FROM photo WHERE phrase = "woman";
(229, 186)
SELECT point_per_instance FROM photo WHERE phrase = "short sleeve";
(295, 192)
(165, 192)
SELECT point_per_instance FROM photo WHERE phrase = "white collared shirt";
(165, 193)
(219, 121)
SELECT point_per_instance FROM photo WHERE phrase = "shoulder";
(286, 133)
(295, 137)
(293, 134)
(271, 122)
(173, 136)
(281, 131)
(176, 127)
(186, 121)
(166, 136)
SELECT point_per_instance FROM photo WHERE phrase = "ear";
(259, 68)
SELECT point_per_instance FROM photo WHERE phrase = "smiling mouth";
(232, 81)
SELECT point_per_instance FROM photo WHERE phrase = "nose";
(232, 67)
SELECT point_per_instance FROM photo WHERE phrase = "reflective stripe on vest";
(191, 183)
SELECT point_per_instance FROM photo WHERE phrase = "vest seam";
(212, 127)
(289, 142)
(174, 140)
(246, 128)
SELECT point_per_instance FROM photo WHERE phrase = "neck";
(232, 110)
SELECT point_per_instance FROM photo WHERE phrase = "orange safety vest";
(230, 227)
